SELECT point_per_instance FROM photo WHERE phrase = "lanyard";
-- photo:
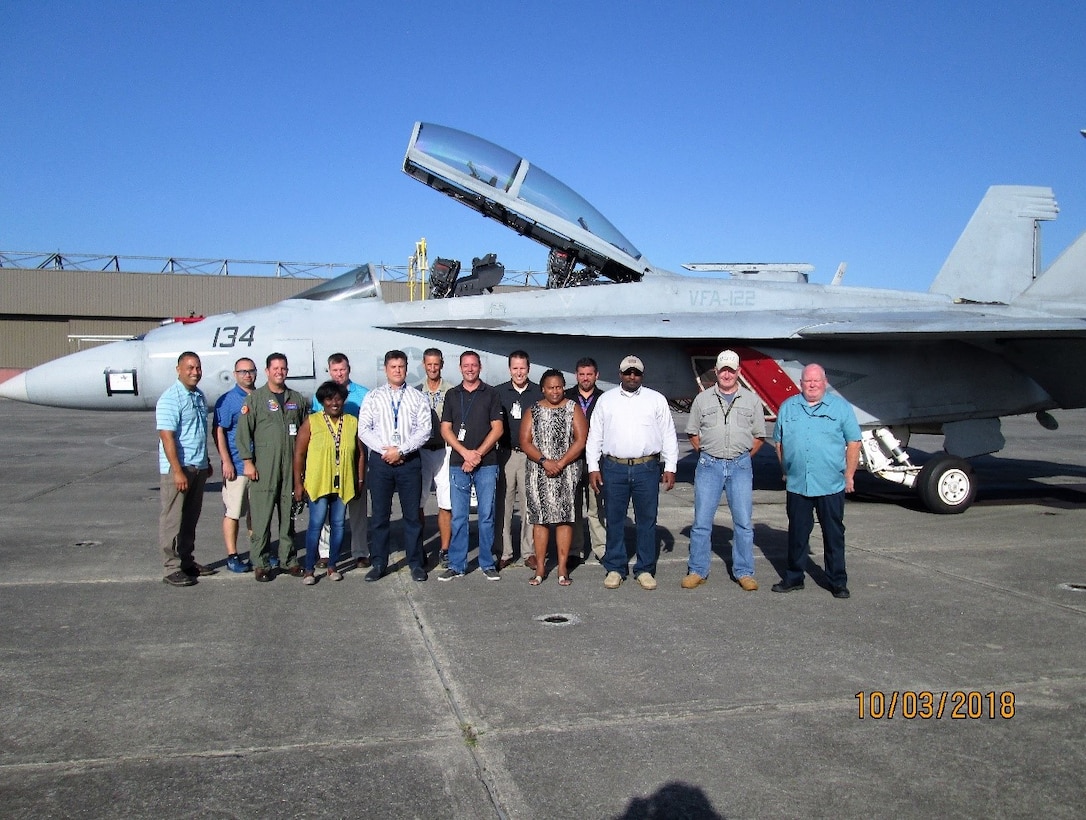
(731, 404)
(463, 412)
(336, 435)
(585, 403)
(396, 409)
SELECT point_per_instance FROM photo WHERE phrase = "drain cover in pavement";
(558, 619)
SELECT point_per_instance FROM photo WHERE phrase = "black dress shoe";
(840, 592)
(262, 574)
(179, 579)
(374, 574)
(196, 570)
(295, 570)
(783, 587)
(418, 574)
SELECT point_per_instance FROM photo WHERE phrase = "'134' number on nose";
(228, 336)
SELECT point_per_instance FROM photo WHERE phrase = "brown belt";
(630, 462)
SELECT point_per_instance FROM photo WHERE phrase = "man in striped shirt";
(394, 422)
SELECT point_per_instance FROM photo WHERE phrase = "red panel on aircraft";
(765, 377)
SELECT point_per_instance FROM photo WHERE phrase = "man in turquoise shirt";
(181, 420)
(818, 442)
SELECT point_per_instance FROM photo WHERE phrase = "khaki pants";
(512, 487)
(179, 512)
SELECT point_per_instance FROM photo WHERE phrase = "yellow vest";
(320, 458)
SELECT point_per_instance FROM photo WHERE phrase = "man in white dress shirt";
(631, 449)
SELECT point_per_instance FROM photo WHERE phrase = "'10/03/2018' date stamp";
(913, 705)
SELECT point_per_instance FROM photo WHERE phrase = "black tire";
(947, 485)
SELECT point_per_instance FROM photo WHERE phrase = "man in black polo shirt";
(589, 503)
(516, 396)
(471, 424)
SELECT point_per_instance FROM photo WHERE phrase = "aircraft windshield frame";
(358, 283)
(501, 169)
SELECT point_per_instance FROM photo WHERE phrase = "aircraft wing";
(772, 325)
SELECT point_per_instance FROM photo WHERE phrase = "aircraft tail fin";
(1065, 279)
(996, 257)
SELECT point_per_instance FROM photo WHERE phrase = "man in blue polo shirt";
(235, 492)
(181, 420)
(818, 443)
(339, 371)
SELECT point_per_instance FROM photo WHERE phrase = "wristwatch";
(541, 460)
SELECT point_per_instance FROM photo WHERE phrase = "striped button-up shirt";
(388, 411)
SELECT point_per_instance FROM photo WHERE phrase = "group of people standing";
(561, 455)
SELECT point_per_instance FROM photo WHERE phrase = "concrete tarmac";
(123, 697)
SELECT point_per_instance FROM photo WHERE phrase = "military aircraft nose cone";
(15, 388)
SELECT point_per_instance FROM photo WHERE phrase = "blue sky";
(706, 131)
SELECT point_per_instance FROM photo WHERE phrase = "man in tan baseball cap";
(631, 450)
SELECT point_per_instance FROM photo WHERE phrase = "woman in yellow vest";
(328, 467)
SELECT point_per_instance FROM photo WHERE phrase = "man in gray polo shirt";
(726, 429)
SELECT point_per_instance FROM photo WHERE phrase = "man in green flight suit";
(267, 427)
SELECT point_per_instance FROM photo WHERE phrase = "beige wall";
(40, 309)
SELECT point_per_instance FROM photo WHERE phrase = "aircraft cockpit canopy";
(508, 188)
(359, 283)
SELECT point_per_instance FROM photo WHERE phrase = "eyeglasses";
(247, 372)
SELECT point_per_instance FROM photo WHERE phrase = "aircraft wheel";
(947, 485)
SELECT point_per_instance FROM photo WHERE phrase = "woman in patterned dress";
(553, 435)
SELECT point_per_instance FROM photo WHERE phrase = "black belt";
(630, 462)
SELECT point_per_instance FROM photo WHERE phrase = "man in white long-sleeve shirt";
(394, 422)
(631, 450)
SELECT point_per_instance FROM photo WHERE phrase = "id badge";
(292, 429)
(396, 439)
(463, 434)
(515, 410)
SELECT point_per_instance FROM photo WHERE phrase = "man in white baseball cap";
(726, 428)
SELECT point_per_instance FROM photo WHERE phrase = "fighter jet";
(993, 336)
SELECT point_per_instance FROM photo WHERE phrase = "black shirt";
(574, 394)
(474, 411)
(514, 405)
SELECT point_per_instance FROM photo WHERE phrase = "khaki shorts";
(435, 471)
(235, 497)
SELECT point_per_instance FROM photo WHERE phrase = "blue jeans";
(385, 481)
(621, 484)
(485, 480)
(330, 507)
(831, 517)
(714, 477)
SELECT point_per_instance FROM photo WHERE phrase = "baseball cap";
(631, 361)
(729, 359)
